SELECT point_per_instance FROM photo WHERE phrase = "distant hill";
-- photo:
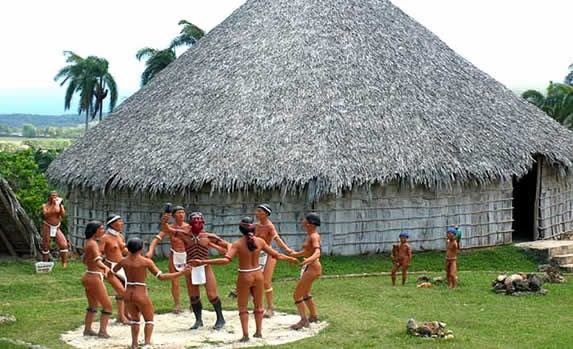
(42, 121)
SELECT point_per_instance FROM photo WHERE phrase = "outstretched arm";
(156, 240)
(277, 255)
(217, 261)
(218, 243)
(282, 244)
(167, 276)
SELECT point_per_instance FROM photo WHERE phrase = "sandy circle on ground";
(172, 332)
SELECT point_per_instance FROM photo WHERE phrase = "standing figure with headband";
(197, 243)
(137, 301)
(250, 278)
(96, 293)
(177, 254)
(401, 257)
(112, 245)
(53, 211)
(265, 230)
(311, 270)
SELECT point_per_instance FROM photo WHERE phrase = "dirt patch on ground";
(172, 331)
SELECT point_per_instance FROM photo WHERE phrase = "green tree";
(29, 184)
(29, 130)
(156, 60)
(188, 36)
(557, 103)
(90, 79)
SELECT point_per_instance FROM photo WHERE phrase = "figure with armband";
(310, 271)
(197, 243)
(96, 293)
(53, 212)
(137, 300)
(250, 278)
(177, 253)
(265, 230)
(112, 246)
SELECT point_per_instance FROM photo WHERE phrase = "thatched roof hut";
(18, 234)
(315, 99)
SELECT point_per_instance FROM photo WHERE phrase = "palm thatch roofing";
(18, 234)
(323, 95)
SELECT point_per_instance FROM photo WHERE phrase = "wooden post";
(537, 196)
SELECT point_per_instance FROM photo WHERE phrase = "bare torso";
(451, 249)
(176, 242)
(404, 254)
(265, 231)
(91, 252)
(249, 260)
(52, 213)
(136, 267)
(113, 247)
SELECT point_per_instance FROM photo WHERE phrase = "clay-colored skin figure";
(311, 270)
(137, 301)
(197, 243)
(112, 246)
(403, 258)
(250, 278)
(53, 211)
(265, 230)
(96, 293)
(177, 247)
(451, 256)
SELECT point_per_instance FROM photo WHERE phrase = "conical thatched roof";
(18, 234)
(326, 93)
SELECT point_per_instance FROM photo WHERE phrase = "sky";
(522, 43)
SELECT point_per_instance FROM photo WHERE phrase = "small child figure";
(401, 256)
(452, 248)
(137, 300)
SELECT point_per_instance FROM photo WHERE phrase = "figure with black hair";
(401, 257)
(452, 248)
(265, 230)
(311, 270)
(96, 293)
(137, 301)
(112, 246)
(250, 278)
(177, 254)
(197, 243)
(53, 212)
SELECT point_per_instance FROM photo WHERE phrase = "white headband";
(113, 219)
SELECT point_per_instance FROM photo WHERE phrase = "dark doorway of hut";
(525, 195)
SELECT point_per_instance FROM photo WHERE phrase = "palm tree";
(157, 60)
(188, 36)
(558, 103)
(91, 79)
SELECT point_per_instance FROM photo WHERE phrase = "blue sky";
(522, 43)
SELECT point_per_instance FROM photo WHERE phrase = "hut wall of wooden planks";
(555, 203)
(354, 222)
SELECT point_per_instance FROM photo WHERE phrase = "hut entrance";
(525, 191)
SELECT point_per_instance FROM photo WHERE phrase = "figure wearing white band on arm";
(137, 301)
(53, 212)
(250, 278)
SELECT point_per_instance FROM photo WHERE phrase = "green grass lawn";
(363, 312)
